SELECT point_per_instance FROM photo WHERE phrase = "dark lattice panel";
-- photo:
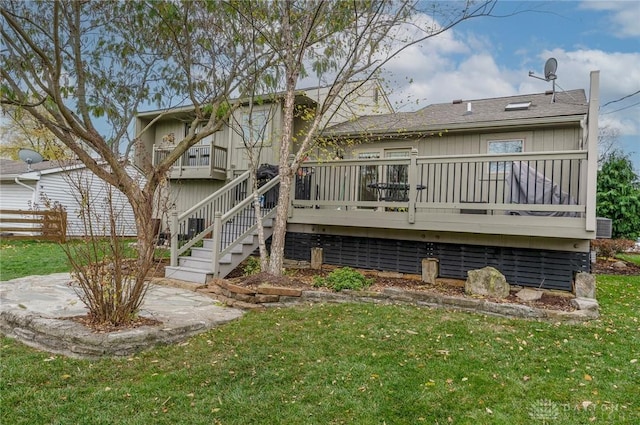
(526, 267)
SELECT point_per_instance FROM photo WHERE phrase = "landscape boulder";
(585, 285)
(528, 294)
(488, 282)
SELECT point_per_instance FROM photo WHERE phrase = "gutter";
(462, 127)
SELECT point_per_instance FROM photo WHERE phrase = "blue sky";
(492, 56)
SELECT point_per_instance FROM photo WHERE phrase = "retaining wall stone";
(269, 296)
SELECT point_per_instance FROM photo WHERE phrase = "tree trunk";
(276, 260)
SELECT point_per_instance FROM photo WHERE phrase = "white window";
(368, 176)
(254, 127)
(205, 141)
(397, 173)
(503, 146)
(368, 155)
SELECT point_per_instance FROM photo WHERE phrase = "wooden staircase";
(197, 267)
(213, 237)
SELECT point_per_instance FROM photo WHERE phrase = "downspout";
(33, 189)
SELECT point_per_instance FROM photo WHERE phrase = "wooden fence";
(37, 225)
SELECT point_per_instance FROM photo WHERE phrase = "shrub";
(251, 266)
(619, 196)
(611, 247)
(343, 278)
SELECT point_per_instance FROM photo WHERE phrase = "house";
(69, 184)
(508, 182)
(213, 174)
(217, 159)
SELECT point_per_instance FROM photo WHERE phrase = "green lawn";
(632, 258)
(19, 258)
(351, 364)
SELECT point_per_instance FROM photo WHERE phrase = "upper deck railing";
(206, 157)
(539, 184)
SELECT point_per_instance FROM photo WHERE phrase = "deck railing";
(540, 184)
(209, 156)
(227, 216)
(197, 222)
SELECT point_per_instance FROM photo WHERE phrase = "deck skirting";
(543, 268)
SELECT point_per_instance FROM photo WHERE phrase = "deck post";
(592, 154)
(174, 238)
(413, 184)
(316, 258)
(215, 249)
(430, 270)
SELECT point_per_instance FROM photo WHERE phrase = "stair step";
(201, 252)
(187, 274)
(197, 267)
(195, 262)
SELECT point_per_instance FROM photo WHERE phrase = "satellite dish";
(550, 68)
(30, 157)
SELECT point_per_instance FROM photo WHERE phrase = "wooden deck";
(481, 194)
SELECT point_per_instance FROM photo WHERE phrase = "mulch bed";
(611, 266)
(303, 279)
(88, 321)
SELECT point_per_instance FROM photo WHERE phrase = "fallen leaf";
(588, 377)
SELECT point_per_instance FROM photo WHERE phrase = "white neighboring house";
(70, 184)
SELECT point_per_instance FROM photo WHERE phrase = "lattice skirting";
(526, 267)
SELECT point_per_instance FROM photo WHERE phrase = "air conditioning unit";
(603, 228)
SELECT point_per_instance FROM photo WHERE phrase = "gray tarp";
(528, 186)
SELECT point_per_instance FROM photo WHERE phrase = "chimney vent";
(469, 112)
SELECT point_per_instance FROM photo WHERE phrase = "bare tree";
(338, 42)
(607, 142)
(83, 69)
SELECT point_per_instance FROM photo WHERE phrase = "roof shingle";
(441, 116)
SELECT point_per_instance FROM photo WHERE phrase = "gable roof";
(10, 168)
(569, 106)
(303, 96)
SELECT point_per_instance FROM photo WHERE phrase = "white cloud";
(619, 77)
(440, 75)
(623, 16)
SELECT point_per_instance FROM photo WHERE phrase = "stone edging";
(270, 296)
(64, 336)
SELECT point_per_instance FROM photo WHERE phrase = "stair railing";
(239, 223)
(196, 223)
(226, 215)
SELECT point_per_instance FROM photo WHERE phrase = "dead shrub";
(610, 247)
